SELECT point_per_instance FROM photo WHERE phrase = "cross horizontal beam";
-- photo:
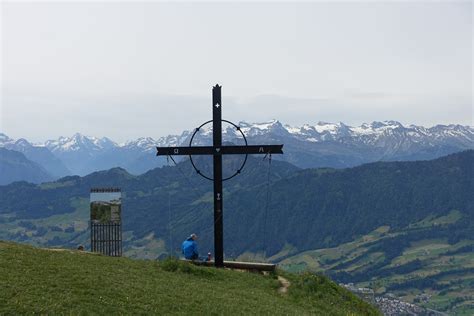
(224, 150)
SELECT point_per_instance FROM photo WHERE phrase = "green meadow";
(58, 281)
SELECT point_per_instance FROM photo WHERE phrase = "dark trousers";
(193, 257)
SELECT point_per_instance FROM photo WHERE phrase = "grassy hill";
(62, 281)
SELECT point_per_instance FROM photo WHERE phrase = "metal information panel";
(106, 221)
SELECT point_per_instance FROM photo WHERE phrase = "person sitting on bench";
(189, 248)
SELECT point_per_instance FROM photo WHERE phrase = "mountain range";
(333, 145)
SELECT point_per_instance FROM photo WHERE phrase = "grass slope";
(55, 281)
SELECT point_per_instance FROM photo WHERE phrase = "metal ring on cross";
(199, 171)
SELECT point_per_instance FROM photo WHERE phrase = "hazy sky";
(124, 70)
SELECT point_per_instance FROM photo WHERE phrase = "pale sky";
(130, 69)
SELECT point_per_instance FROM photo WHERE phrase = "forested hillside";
(307, 209)
(320, 208)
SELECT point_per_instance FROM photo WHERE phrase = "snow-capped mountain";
(366, 133)
(339, 145)
(145, 143)
(311, 145)
(374, 134)
(37, 153)
(79, 151)
(148, 144)
(78, 143)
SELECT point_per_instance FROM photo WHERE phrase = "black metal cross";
(217, 150)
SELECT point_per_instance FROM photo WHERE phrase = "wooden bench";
(238, 265)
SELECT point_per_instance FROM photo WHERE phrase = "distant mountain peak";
(79, 142)
(146, 143)
(23, 143)
(5, 139)
(78, 135)
(385, 124)
(261, 125)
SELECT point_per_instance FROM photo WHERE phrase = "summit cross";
(217, 150)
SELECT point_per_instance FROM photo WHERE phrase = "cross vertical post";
(218, 196)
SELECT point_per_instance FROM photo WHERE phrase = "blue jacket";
(189, 249)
